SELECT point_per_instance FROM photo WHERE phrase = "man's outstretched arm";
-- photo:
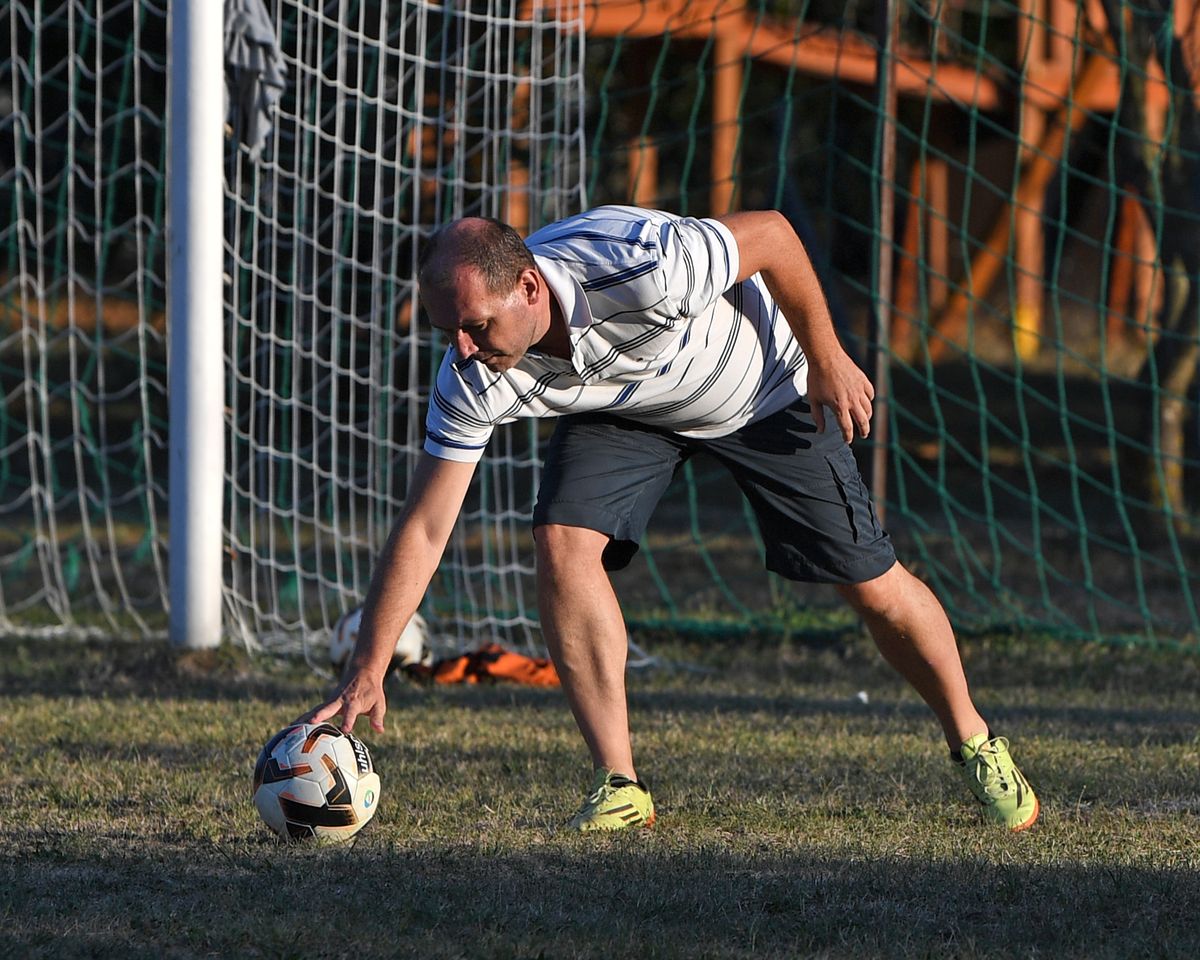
(767, 244)
(402, 574)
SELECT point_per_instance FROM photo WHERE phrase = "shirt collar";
(568, 292)
(571, 300)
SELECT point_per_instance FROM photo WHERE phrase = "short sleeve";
(699, 263)
(457, 424)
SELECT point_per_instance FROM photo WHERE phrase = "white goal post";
(196, 364)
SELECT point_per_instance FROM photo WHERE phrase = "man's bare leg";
(912, 632)
(585, 633)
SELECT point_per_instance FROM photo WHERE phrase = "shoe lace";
(988, 770)
(602, 792)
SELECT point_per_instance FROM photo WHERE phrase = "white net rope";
(397, 117)
(82, 332)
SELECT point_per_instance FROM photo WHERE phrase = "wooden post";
(910, 276)
(1064, 15)
(1149, 284)
(1030, 238)
(727, 88)
(1120, 276)
(643, 171)
(641, 149)
(888, 36)
(937, 247)
(986, 265)
(1031, 46)
(516, 198)
(925, 258)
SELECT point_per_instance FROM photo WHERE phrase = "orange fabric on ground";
(492, 662)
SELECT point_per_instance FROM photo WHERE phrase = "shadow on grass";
(621, 899)
(1114, 724)
(150, 669)
(1125, 726)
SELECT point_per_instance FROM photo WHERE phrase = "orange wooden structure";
(739, 33)
(1055, 84)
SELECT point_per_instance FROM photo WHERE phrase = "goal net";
(1041, 444)
(396, 117)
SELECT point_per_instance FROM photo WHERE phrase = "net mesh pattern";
(1042, 445)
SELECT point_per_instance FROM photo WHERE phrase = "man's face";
(494, 329)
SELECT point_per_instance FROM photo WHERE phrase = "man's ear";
(530, 285)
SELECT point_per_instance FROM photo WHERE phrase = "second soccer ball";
(412, 646)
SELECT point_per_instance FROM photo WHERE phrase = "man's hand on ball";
(360, 693)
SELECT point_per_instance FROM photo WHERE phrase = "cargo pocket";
(860, 512)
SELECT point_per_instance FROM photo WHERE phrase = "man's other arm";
(767, 244)
(405, 567)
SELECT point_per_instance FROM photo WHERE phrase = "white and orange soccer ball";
(411, 648)
(313, 782)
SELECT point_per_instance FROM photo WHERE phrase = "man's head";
(482, 289)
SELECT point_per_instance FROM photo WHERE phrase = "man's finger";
(846, 424)
(377, 713)
(864, 419)
(349, 715)
(818, 415)
(320, 714)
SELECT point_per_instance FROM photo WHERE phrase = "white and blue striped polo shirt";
(660, 334)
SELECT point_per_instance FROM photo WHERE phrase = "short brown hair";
(489, 245)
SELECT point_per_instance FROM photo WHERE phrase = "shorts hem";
(856, 571)
(587, 515)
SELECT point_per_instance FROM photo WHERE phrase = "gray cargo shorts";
(818, 524)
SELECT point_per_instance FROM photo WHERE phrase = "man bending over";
(654, 337)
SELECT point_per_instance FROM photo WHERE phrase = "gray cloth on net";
(254, 72)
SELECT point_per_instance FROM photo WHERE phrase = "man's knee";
(895, 597)
(881, 594)
(559, 544)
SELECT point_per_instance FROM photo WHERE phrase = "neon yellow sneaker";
(995, 780)
(614, 803)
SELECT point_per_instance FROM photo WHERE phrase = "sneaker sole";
(1037, 808)
(648, 822)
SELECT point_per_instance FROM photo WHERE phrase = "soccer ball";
(313, 782)
(411, 647)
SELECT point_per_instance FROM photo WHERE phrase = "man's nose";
(464, 344)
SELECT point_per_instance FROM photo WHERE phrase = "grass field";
(794, 819)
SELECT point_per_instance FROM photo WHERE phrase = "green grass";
(794, 820)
